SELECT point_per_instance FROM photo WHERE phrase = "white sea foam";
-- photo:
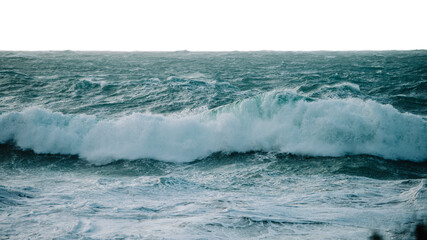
(278, 121)
(342, 85)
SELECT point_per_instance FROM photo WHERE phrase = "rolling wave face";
(278, 121)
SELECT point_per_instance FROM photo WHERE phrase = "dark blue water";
(226, 145)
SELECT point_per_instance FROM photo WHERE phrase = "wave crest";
(278, 121)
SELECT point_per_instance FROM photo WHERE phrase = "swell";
(277, 121)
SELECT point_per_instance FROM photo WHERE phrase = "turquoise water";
(221, 145)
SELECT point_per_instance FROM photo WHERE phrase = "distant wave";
(277, 121)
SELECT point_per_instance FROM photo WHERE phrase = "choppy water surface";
(233, 145)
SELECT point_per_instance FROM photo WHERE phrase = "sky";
(206, 25)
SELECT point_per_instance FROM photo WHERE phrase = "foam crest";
(342, 85)
(278, 121)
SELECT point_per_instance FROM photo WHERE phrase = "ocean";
(213, 145)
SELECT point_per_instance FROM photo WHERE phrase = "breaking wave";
(277, 121)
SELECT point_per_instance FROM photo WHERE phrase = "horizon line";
(213, 51)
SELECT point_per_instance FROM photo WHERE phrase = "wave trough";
(277, 121)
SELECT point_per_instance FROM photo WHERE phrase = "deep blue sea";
(212, 145)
